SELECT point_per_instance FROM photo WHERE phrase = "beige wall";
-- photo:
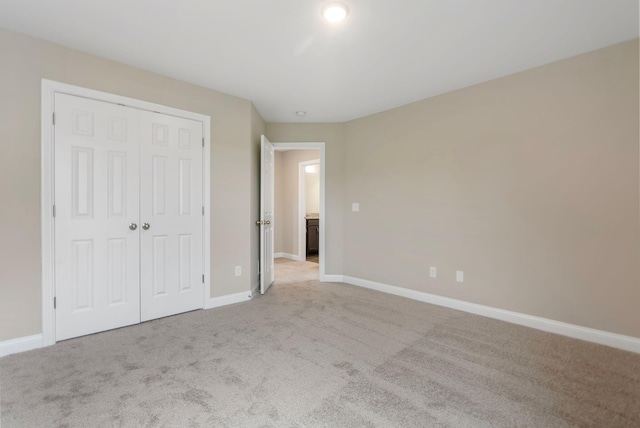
(332, 134)
(25, 61)
(286, 198)
(528, 183)
(312, 193)
(278, 198)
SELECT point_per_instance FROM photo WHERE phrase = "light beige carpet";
(312, 354)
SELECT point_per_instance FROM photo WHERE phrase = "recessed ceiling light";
(335, 12)
(300, 113)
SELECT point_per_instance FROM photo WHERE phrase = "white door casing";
(105, 192)
(96, 188)
(171, 213)
(266, 214)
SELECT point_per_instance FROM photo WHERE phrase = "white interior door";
(96, 215)
(266, 214)
(171, 215)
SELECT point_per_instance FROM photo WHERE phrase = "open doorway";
(309, 210)
(299, 204)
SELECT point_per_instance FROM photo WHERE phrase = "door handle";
(258, 222)
(146, 226)
(267, 222)
(133, 226)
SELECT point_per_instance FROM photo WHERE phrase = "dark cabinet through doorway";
(313, 235)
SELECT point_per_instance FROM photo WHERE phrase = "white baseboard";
(287, 256)
(627, 343)
(331, 278)
(20, 344)
(229, 299)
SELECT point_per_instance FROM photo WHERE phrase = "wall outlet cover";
(355, 206)
(459, 276)
(432, 272)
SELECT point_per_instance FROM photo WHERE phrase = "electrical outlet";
(238, 270)
(459, 276)
(432, 272)
(355, 206)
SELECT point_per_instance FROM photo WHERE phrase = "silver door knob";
(267, 222)
(133, 226)
(146, 226)
(258, 222)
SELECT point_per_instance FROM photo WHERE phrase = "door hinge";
(54, 303)
(203, 278)
(54, 210)
(54, 118)
(202, 141)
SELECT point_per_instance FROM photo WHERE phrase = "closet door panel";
(96, 148)
(171, 214)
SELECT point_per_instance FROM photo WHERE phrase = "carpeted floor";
(312, 354)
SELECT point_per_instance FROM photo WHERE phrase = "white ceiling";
(281, 55)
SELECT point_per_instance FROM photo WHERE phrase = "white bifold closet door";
(128, 221)
(171, 208)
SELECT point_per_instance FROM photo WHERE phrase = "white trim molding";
(627, 343)
(20, 344)
(332, 278)
(287, 256)
(49, 89)
(229, 299)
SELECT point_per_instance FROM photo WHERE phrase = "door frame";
(302, 207)
(321, 147)
(48, 90)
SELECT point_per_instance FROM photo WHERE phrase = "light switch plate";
(459, 276)
(355, 206)
(432, 272)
